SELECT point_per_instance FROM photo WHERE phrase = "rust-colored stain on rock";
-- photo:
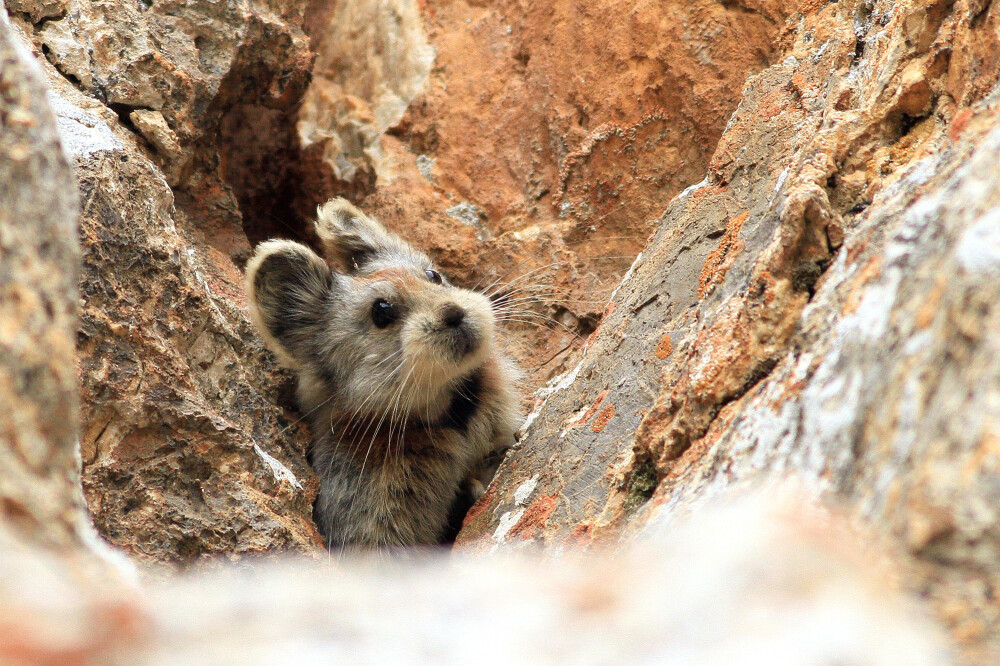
(592, 409)
(665, 348)
(534, 518)
(477, 509)
(581, 535)
(601, 422)
(721, 258)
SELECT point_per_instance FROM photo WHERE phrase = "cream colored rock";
(374, 59)
(154, 128)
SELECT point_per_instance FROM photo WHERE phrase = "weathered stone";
(821, 306)
(38, 9)
(154, 128)
(538, 146)
(39, 254)
(186, 450)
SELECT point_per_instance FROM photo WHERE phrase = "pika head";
(397, 370)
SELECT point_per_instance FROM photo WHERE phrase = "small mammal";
(398, 372)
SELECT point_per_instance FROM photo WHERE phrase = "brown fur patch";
(397, 275)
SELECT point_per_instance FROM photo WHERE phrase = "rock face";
(39, 405)
(540, 147)
(191, 126)
(822, 306)
(187, 449)
(640, 603)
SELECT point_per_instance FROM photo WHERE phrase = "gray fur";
(402, 416)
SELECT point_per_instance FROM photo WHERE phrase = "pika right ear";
(287, 284)
(351, 238)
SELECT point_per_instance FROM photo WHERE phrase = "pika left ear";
(352, 239)
(288, 285)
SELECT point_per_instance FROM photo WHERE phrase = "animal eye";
(383, 313)
(433, 275)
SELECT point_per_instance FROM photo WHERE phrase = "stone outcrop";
(39, 254)
(188, 446)
(192, 127)
(541, 146)
(821, 306)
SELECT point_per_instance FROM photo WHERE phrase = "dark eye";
(383, 313)
(433, 276)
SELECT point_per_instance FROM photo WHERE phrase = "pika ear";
(352, 239)
(287, 285)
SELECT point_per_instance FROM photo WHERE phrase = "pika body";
(410, 400)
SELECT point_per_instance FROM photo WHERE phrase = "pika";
(410, 400)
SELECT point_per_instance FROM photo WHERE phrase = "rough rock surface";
(823, 306)
(187, 444)
(541, 145)
(183, 122)
(39, 405)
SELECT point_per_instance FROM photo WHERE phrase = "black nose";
(452, 315)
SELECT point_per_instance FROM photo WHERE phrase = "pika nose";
(452, 315)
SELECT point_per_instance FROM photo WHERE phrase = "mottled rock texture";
(823, 306)
(194, 125)
(188, 448)
(542, 144)
(39, 254)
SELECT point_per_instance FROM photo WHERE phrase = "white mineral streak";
(507, 521)
(280, 472)
(978, 250)
(691, 189)
(81, 133)
(524, 491)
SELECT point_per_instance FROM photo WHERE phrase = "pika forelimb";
(398, 372)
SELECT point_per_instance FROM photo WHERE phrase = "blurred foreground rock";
(758, 581)
(39, 257)
(822, 306)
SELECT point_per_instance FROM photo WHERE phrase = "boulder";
(821, 306)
